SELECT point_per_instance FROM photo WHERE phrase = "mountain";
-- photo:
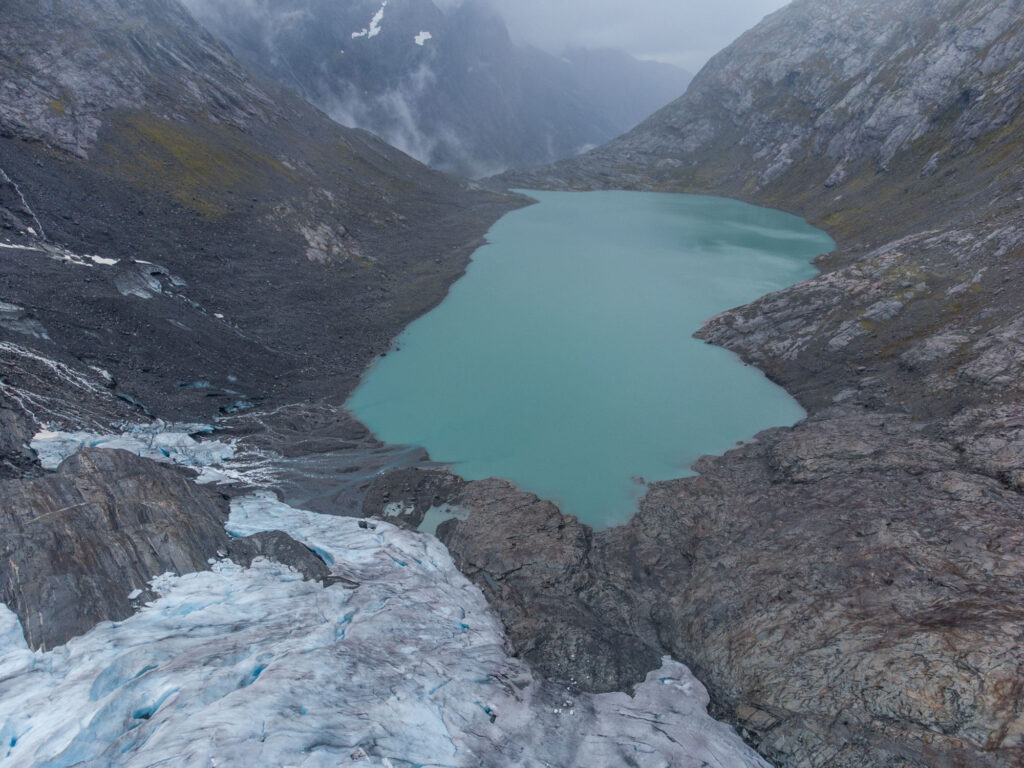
(831, 106)
(445, 84)
(200, 200)
(179, 241)
(183, 240)
(849, 588)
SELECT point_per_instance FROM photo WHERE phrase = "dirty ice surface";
(166, 443)
(256, 667)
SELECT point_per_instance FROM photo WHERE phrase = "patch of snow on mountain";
(374, 29)
(422, 38)
(59, 253)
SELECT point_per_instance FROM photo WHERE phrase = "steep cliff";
(849, 589)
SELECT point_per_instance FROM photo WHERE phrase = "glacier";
(402, 663)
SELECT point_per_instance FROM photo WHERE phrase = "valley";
(197, 266)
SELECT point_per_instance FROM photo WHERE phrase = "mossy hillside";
(199, 163)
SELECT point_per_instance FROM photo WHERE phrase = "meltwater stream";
(564, 359)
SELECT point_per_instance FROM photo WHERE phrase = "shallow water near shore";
(564, 359)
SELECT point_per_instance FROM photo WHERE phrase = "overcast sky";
(683, 32)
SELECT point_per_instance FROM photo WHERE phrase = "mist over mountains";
(444, 81)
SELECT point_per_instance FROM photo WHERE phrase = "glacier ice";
(256, 667)
(217, 461)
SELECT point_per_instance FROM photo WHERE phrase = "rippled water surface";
(564, 360)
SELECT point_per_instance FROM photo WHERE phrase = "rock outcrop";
(77, 543)
(81, 545)
(835, 584)
(282, 548)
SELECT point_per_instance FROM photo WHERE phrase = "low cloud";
(683, 33)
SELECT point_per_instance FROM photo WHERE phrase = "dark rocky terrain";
(181, 241)
(136, 137)
(849, 589)
(466, 99)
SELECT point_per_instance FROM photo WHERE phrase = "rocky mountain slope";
(849, 589)
(445, 83)
(180, 241)
(158, 203)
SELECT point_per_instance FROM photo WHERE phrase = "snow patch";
(217, 461)
(161, 442)
(59, 253)
(25, 205)
(398, 509)
(422, 38)
(374, 29)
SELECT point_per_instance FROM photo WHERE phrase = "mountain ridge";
(447, 85)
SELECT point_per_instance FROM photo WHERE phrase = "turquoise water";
(563, 360)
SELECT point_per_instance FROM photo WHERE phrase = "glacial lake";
(563, 360)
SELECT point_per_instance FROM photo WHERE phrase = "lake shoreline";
(563, 360)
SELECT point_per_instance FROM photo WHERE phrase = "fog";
(681, 32)
(445, 84)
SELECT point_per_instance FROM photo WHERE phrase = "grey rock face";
(76, 543)
(16, 457)
(533, 564)
(63, 104)
(279, 546)
(834, 584)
